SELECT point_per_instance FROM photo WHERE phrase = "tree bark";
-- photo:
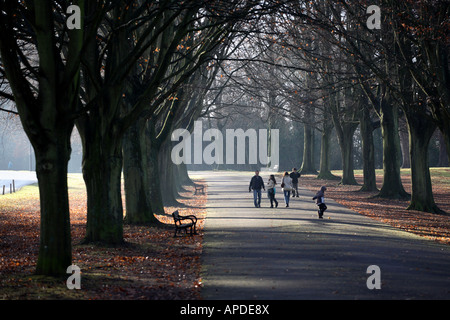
(443, 158)
(420, 132)
(346, 143)
(55, 248)
(102, 166)
(308, 157)
(154, 178)
(392, 187)
(46, 97)
(444, 127)
(345, 125)
(404, 143)
(167, 177)
(325, 172)
(136, 178)
(368, 151)
(421, 128)
(185, 180)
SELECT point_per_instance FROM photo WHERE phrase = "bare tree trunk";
(404, 143)
(392, 183)
(136, 178)
(368, 150)
(46, 102)
(308, 151)
(167, 176)
(153, 147)
(102, 168)
(325, 172)
(443, 155)
(55, 249)
(421, 131)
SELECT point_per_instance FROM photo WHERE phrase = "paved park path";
(289, 254)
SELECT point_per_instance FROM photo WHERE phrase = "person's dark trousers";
(257, 197)
(294, 189)
(322, 208)
(272, 198)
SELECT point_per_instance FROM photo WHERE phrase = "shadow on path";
(289, 254)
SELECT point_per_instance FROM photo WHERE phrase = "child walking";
(320, 201)
(271, 191)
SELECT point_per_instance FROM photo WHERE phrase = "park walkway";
(289, 254)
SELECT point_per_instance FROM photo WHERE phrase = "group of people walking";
(289, 184)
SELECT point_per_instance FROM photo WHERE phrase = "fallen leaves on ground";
(151, 265)
(394, 212)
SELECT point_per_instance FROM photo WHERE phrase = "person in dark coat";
(320, 201)
(271, 191)
(256, 183)
(294, 176)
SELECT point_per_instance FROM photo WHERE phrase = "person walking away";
(256, 183)
(271, 191)
(286, 184)
(320, 201)
(294, 176)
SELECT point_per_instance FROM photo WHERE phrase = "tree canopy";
(131, 72)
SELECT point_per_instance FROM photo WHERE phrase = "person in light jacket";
(286, 184)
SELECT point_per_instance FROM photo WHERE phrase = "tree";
(40, 59)
(107, 65)
(178, 36)
(367, 126)
(359, 47)
(401, 53)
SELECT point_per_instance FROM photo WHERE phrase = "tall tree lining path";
(288, 253)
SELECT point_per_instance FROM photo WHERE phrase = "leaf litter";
(152, 265)
(394, 212)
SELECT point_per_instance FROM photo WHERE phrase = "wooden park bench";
(199, 187)
(180, 225)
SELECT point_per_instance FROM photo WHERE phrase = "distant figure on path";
(320, 201)
(271, 190)
(294, 176)
(10, 165)
(256, 183)
(286, 184)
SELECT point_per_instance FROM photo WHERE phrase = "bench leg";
(192, 230)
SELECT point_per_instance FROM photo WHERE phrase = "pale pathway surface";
(288, 253)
